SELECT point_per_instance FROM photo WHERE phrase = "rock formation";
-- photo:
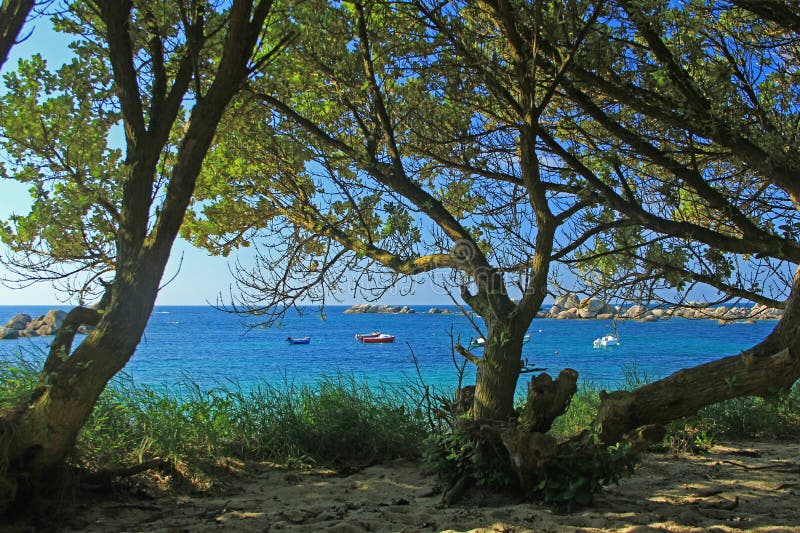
(372, 308)
(23, 325)
(569, 306)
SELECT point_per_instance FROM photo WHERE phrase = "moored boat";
(298, 340)
(375, 339)
(360, 336)
(606, 340)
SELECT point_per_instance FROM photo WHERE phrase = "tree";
(692, 110)
(383, 160)
(527, 134)
(166, 72)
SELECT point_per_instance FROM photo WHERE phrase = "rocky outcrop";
(592, 307)
(371, 308)
(564, 302)
(19, 321)
(8, 333)
(394, 309)
(23, 325)
(569, 306)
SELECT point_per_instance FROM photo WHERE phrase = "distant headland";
(394, 309)
(569, 306)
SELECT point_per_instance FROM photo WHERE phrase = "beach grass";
(335, 421)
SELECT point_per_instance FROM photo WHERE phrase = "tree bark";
(548, 399)
(498, 371)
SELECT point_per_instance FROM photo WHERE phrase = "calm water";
(210, 347)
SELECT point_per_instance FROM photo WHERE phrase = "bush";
(468, 452)
(581, 469)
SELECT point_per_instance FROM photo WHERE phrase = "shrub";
(468, 452)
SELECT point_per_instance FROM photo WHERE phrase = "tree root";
(104, 478)
(641, 438)
(529, 453)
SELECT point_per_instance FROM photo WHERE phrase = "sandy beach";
(742, 486)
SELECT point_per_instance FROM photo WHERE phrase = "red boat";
(375, 339)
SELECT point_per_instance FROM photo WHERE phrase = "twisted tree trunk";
(39, 433)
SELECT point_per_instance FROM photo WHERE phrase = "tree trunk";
(45, 427)
(548, 399)
(498, 371)
(767, 368)
(38, 434)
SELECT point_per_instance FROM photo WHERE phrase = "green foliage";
(686, 436)
(752, 417)
(56, 127)
(580, 413)
(468, 451)
(581, 469)
(18, 377)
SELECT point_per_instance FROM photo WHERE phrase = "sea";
(211, 348)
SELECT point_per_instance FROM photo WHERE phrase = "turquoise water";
(212, 347)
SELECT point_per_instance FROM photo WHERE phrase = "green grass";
(582, 410)
(335, 421)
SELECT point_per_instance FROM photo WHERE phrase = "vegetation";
(645, 144)
(494, 141)
(749, 417)
(342, 423)
(335, 422)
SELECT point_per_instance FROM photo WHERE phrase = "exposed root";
(529, 453)
(456, 491)
(104, 478)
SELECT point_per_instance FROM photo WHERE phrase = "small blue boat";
(298, 340)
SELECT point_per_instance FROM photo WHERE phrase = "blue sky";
(201, 278)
